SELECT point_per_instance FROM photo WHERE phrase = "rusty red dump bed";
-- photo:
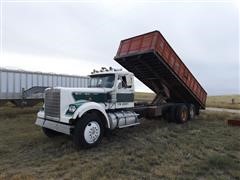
(154, 62)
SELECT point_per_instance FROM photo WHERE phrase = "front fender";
(90, 106)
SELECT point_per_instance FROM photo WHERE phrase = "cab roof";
(120, 72)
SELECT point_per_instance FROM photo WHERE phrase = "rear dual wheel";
(191, 112)
(180, 113)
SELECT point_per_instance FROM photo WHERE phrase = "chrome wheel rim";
(92, 132)
(184, 116)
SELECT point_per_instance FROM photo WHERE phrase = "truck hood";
(71, 95)
(85, 90)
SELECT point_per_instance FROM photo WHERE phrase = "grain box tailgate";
(154, 62)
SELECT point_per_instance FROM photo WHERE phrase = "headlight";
(72, 108)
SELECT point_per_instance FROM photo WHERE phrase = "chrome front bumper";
(56, 126)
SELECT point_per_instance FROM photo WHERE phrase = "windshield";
(105, 80)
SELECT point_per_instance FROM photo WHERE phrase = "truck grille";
(52, 104)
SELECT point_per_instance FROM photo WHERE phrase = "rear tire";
(191, 112)
(197, 111)
(88, 131)
(182, 113)
(171, 114)
(50, 133)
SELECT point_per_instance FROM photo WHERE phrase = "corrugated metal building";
(18, 85)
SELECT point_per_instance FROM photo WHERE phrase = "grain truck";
(108, 102)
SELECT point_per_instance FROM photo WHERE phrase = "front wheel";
(88, 131)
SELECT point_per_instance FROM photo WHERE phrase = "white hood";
(86, 90)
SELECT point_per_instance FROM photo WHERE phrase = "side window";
(129, 81)
(126, 82)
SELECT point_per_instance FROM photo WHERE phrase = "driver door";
(125, 92)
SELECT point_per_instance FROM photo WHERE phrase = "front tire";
(88, 131)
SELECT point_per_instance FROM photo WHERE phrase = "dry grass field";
(224, 101)
(212, 101)
(205, 148)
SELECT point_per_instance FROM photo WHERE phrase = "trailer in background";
(27, 87)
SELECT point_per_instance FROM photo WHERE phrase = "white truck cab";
(85, 113)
